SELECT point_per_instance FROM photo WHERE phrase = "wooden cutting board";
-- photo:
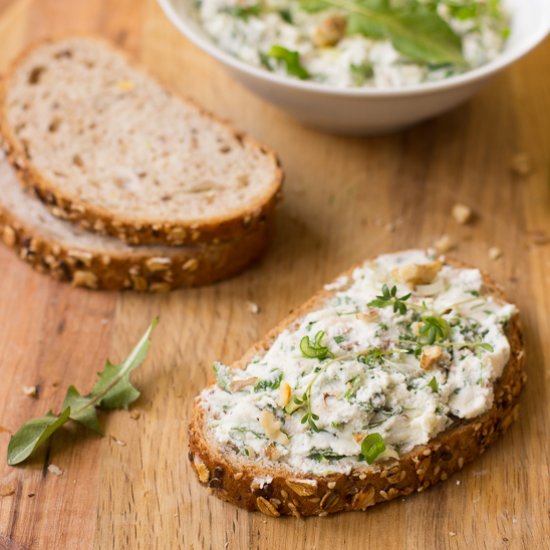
(346, 199)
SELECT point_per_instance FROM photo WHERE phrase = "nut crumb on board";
(444, 244)
(55, 470)
(452, 534)
(30, 391)
(253, 307)
(521, 164)
(7, 490)
(135, 414)
(494, 253)
(118, 441)
(462, 214)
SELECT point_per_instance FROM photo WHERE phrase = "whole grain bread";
(106, 146)
(69, 253)
(235, 479)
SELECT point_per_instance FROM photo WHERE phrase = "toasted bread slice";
(276, 483)
(69, 253)
(106, 146)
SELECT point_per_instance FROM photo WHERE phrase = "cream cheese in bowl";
(400, 44)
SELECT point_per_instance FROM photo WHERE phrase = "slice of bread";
(85, 259)
(105, 145)
(267, 482)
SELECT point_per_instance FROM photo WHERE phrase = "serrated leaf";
(82, 409)
(113, 390)
(32, 434)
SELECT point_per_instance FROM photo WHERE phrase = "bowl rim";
(503, 60)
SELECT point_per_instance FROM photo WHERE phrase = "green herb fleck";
(433, 384)
(389, 298)
(269, 383)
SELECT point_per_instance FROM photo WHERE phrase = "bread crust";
(415, 471)
(145, 231)
(140, 269)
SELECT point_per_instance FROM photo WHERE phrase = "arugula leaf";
(372, 447)
(81, 411)
(415, 31)
(291, 60)
(32, 434)
(112, 390)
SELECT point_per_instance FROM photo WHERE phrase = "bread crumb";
(30, 495)
(444, 244)
(30, 391)
(452, 534)
(253, 307)
(118, 441)
(390, 227)
(135, 414)
(55, 470)
(7, 490)
(462, 213)
(458, 481)
(495, 253)
(521, 164)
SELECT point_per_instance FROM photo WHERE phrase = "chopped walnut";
(462, 213)
(238, 385)
(417, 274)
(430, 357)
(330, 31)
(494, 253)
(30, 391)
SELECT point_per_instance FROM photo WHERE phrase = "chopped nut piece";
(417, 274)
(31, 391)
(444, 244)
(521, 164)
(430, 357)
(238, 385)
(134, 414)
(462, 213)
(285, 393)
(330, 31)
(253, 307)
(369, 315)
(7, 490)
(495, 253)
(55, 470)
(118, 441)
(272, 427)
(272, 452)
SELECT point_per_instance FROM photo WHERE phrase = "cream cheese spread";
(331, 49)
(402, 349)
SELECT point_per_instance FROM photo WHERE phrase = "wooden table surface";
(346, 199)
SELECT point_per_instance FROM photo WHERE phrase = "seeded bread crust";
(291, 493)
(70, 254)
(70, 206)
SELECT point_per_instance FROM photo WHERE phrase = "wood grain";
(345, 199)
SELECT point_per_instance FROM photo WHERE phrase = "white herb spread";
(402, 349)
(401, 43)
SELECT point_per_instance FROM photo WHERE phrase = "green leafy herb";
(269, 383)
(414, 30)
(243, 12)
(360, 73)
(372, 447)
(291, 60)
(433, 384)
(434, 329)
(324, 455)
(486, 346)
(315, 350)
(389, 298)
(286, 15)
(309, 417)
(113, 390)
(339, 339)
(220, 372)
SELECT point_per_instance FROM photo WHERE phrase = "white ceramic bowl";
(369, 111)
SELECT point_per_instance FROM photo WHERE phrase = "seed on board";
(253, 307)
(521, 164)
(444, 244)
(30, 391)
(7, 490)
(462, 213)
(55, 470)
(494, 253)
